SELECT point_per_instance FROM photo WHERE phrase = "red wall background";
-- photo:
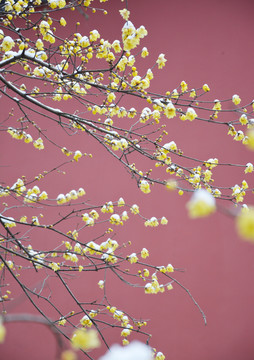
(205, 42)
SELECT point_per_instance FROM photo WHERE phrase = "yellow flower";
(161, 61)
(2, 332)
(125, 332)
(146, 272)
(250, 142)
(184, 86)
(81, 192)
(121, 202)
(111, 97)
(153, 222)
(85, 321)
(132, 258)
(159, 356)
(169, 146)
(54, 266)
(38, 144)
(190, 114)
(170, 268)
(85, 339)
(125, 216)
(217, 105)
(249, 168)
(23, 219)
(239, 136)
(236, 100)
(116, 46)
(44, 27)
(61, 199)
(206, 88)
(135, 209)
(170, 110)
(101, 284)
(144, 186)
(62, 321)
(63, 21)
(245, 224)
(171, 184)
(94, 35)
(201, 204)
(211, 163)
(144, 52)
(164, 221)
(115, 219)
(193, 93)
(43, 196)
(243, 119)
(77, 155)
(39, 44)
(125, 14)
(68, 355)
(8, 222)
(144, 253)
(7, 43)
(84, 41)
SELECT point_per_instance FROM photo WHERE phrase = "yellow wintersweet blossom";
(153, 222)
(144, 52)
(184, 86)
(125, 14)
(101, 284)
(170, 110)
(116, 46)
(243, 119)
(54, 266)
(201, 204)
(94, 35)
(144, 253)
(145, 186)
(115, 219)
(217, 105)
(132, 258)
(2, 332)
(38, 144)
(68, 355)
(161, 61)
(135, 209)
(63, 21)
(249, 168)
(125, 332)
(206, 88)
(125, 216)
(121, 202)
(193, 93)
(245, 224)
(77, 155)
(85, 321)
(171, 184)
(85, 339)
(211, 163)
(190, 114)
(236, 99)
(164, 220)
(7, 43)
(39, 45)
(159, 356)
(170, 268)
(250, 142)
